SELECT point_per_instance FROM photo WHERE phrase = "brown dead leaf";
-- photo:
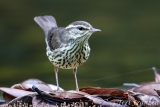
(71, 98)
(7, 97)
(82, 96)
(144, 100)
(44, 95)
(27, 85)
(101, 102)
(103, 92)
(10, 94)
(23, 101)
(67, 96)
(25, 88)
(148, 88)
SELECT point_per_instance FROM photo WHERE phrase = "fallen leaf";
(146, 100)
(147, 88)
(103, 92)
(10, 94)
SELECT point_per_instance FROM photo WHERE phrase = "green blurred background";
(125, 50)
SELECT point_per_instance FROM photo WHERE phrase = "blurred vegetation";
(129, 41)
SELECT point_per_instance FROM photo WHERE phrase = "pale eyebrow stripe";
(74, 26)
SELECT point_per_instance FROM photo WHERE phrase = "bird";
(66, 47)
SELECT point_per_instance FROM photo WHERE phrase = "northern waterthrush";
(67, 47)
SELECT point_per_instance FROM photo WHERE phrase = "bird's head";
(80, 30)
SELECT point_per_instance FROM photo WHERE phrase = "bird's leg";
(56, 74)
(75, 76)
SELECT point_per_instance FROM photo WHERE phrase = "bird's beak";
(94, 30)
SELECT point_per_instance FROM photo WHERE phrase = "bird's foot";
(77, 89)
(59, 90)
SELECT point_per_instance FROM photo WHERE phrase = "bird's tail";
(46, 22)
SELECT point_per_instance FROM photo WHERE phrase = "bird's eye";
(81, 28)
